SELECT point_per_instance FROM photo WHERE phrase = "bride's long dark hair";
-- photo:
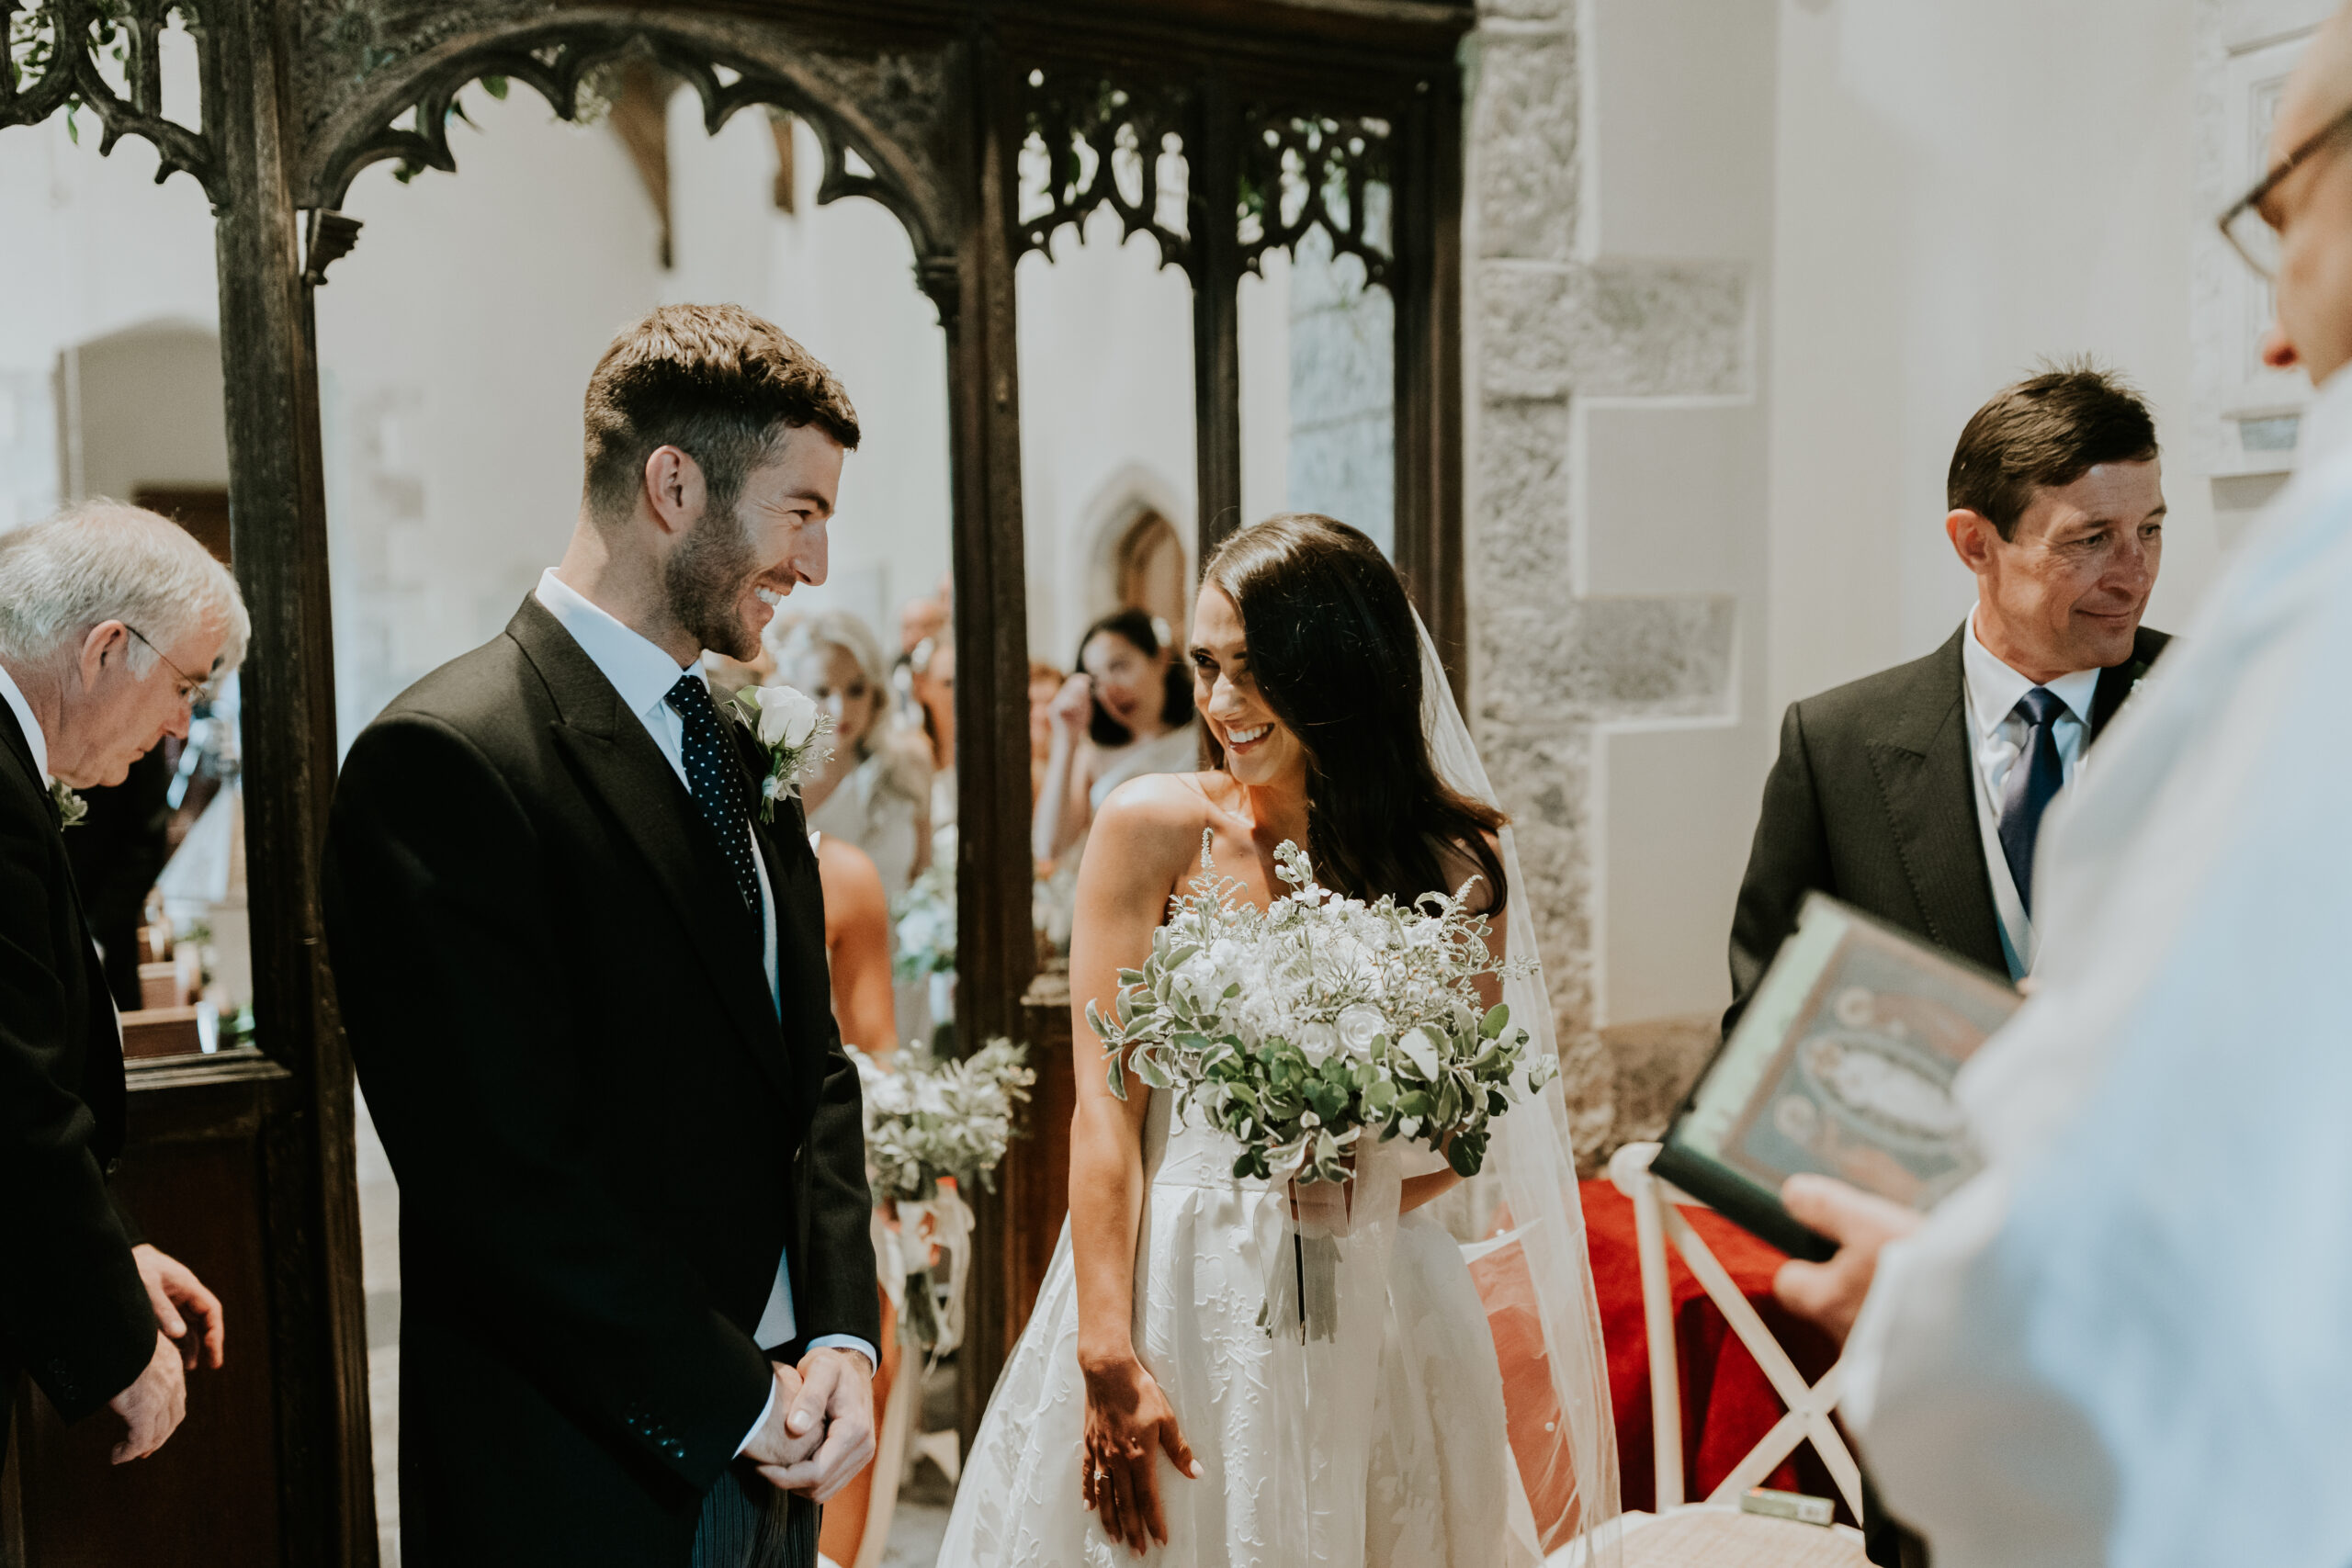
(1334, 651)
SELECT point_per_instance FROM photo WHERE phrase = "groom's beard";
(704, 581)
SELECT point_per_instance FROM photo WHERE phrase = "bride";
(1165, 1400)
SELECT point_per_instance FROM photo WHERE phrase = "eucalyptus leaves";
(1304, 1027)
(71, 807)
(928, 1118)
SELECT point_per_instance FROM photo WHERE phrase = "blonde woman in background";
(876, 792)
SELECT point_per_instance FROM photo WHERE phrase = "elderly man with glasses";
(112, 622)
(2130, 1340)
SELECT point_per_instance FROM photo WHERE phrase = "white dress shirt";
(2125, 1342)
(643, 673)
(1998, 733)
(15, 697)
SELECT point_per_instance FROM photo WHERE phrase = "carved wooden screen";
(921, 105)
(1360, 150)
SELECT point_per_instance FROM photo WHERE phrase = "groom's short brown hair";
(715, 381)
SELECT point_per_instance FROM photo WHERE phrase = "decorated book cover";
(1842, 1065)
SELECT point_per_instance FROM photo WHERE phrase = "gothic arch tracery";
(880, 120)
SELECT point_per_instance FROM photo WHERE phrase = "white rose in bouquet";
(1318, 1040)
(1359, 1026)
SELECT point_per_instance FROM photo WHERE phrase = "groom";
(586, 990)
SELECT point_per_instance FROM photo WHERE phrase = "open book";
(1842, 1065)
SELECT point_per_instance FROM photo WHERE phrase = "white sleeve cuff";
(766, 1411)
(849, 1342)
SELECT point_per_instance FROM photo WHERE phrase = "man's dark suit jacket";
(1872, 802)
(605, 1135)
(72, 1311)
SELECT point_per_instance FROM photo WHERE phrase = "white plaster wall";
(1680, 127)
(1961, 189)
(143, 406)
(454, 344)
(89, 246)
(1107, 414)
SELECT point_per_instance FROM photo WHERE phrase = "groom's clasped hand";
(819, 1430)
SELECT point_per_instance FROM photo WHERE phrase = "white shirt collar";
(15, 698)
(1994, 688)
(640, 669)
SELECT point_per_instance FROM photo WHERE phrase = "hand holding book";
(1842, 1067)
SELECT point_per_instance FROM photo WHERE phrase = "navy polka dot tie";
(717, 782)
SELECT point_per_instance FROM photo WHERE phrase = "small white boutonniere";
(793, 727)
(71, 807)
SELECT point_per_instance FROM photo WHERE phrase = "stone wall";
(1613, 606)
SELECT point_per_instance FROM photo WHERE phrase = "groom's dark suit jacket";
(1872, 801)
(605, 1135)
(72, 1312)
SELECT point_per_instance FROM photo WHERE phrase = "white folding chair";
(1657, 1218)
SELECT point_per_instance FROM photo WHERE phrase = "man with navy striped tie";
(1917, 793)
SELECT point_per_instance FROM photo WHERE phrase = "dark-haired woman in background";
(1165, 1399)
(1127, 712)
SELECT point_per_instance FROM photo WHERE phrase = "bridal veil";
(1532, 1270)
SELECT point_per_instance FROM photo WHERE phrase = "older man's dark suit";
(1872, 801)
(603, 1132)
(72, 1311)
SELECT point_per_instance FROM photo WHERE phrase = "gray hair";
(104, 561)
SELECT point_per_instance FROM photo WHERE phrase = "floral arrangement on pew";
(1305, 1028)
(932, 1125)
(924, 919)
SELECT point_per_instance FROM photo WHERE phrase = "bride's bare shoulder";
(1158, 817)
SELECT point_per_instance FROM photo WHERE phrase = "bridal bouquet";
(931, 1126)
(1304, 1028)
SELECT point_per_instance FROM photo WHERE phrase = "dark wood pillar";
(1212, 163)
(996, 951)
(278, 522)
(1427, 284)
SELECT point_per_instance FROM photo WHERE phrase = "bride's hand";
(1128, 1422)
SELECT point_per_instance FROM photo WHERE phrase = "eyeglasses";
(192, 691)
(2252, 230)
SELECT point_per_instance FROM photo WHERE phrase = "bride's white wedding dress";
(1449, 1408)
(1433, 1489)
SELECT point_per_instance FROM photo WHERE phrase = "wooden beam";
(996, 950)
(1213, 167)
(277, 511)
(1427, 289)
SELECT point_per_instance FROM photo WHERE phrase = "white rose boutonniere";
(71, 807)
(793, 728)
